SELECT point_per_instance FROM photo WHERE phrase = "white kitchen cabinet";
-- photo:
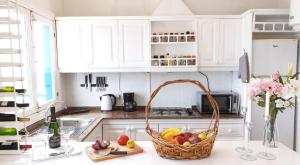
(104, 44)
(208, 42)
(295, 14)
(73, 42)
(219, 42)
(134, 43)
(135, 131)
(113, 131)
(230, 42)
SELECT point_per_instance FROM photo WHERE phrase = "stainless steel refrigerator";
(270, 55)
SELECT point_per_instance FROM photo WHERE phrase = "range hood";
(172, 8)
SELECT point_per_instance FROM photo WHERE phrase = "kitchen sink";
(70, 127)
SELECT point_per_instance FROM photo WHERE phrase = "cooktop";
(173, 111)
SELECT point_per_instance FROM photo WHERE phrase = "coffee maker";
(129, 103)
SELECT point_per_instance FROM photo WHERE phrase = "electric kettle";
(107, 102)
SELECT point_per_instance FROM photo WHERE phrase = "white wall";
(142, 83)
(146, 7)
(55, 6)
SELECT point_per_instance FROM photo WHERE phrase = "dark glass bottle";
(55, 139)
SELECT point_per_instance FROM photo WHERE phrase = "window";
(43, 52)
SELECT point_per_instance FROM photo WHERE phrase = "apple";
(187, 135)
(180, 139)
(122, 140)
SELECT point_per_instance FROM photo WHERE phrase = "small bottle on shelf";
(11, 89)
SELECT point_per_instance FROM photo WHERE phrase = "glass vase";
(270, 130)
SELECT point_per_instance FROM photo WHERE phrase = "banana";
(171, 131)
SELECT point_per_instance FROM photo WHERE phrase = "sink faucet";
(48, 108)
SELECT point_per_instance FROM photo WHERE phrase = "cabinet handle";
(292, 17)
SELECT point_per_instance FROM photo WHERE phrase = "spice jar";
(155, 61)
(172, 38)
(155, 38)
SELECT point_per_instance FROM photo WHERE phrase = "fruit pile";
(122, 140)
(175, 135)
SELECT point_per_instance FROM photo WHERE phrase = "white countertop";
(223, 153)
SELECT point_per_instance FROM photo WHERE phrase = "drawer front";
(230, 131)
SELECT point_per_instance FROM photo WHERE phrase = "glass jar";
(155, 38)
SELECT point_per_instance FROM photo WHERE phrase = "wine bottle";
(7, 117)
(7, 103)
(11, 89)
(7, 89)
(22, 105)
(8, 131)
(8, 145)
(55, 139)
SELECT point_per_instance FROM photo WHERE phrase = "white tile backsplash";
(178, 95)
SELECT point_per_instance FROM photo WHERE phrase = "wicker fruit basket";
(167, 149)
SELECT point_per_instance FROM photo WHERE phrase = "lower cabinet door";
(138, 132)
(113, 131)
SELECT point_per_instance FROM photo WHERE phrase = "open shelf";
(272, 27)
(8, 20)
(173, 45)
(8, 109)
(173, 62)
(10, 64)
(9, 36)
(10, 152)
(11, 79)
(8, 94)
(10, 138)
(10, 51)
(271, 23)
(14, 124)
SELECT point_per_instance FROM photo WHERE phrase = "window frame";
(36, 111)
(51, 23)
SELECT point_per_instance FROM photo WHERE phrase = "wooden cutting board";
(94, 157)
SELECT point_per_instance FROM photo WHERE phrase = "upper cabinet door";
(295, 13)
(230, 42)
(73, 43)
(208, 31)
(104, 44)
(134, 43)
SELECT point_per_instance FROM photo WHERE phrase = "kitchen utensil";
(129, 103)
(86, 81)
(107, 103)
(120, 152)
(110, 151)
(90, 82)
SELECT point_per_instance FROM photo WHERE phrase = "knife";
(110, 151)
(90, 81)
(86, 81)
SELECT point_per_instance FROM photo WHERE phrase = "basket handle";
(214, 104)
